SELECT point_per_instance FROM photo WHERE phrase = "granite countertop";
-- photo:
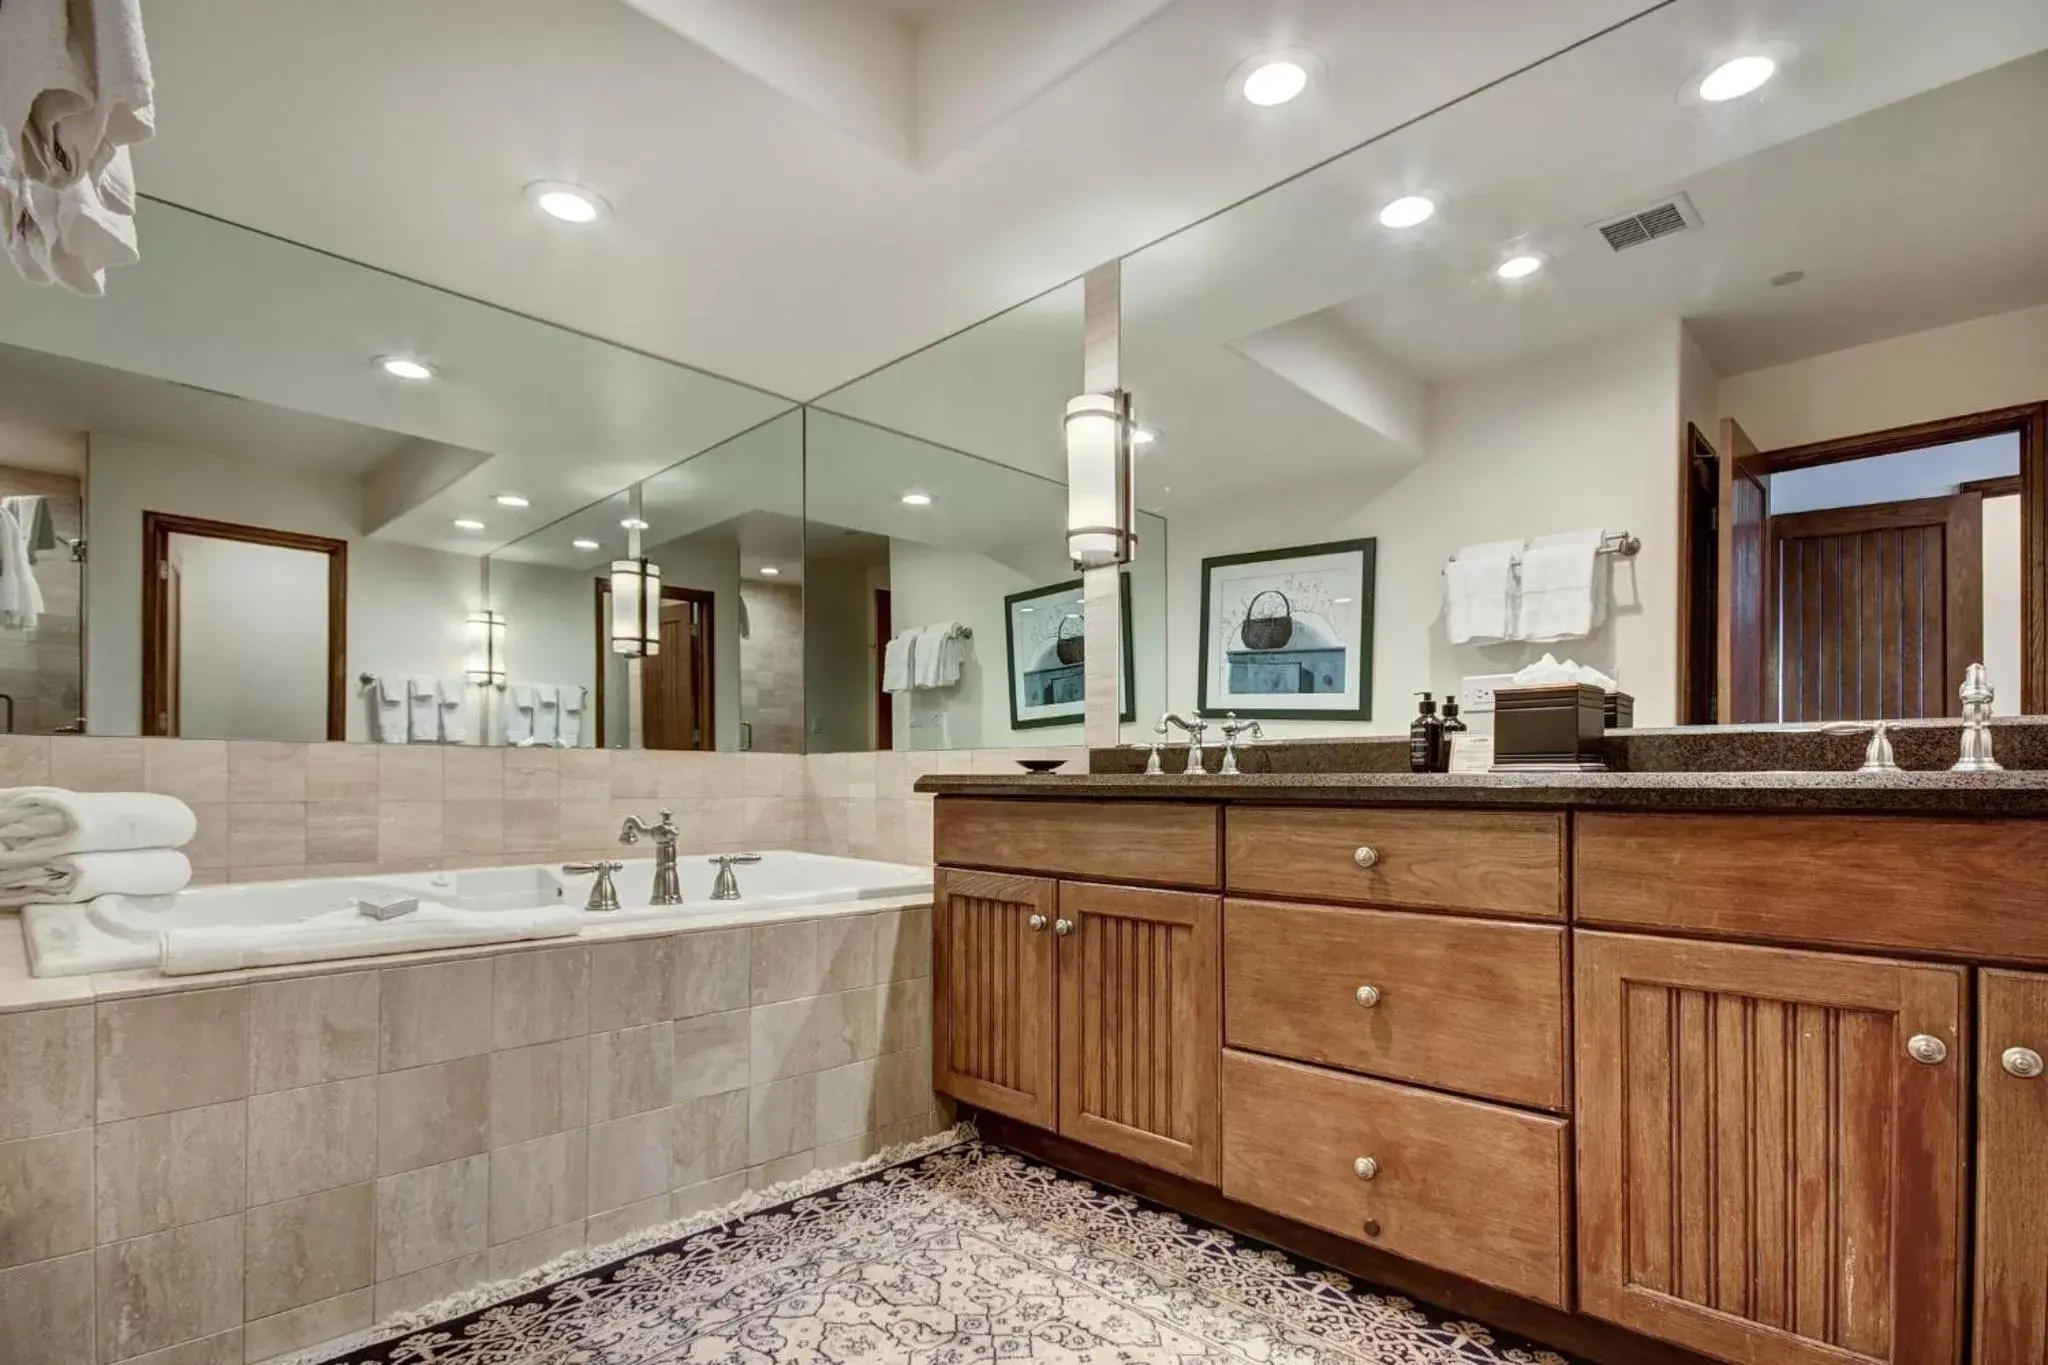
(1924, 793)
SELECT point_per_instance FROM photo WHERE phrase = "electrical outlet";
(1475, 693)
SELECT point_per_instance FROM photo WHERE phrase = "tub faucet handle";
(604, 893)
(727, 886)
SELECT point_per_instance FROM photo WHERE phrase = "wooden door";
(1765, 1173)
(676, 683)
(1140, 1028)
(1745, 518)
(995, 999)
(1882, 607)
(2012, 1154)
(174, 651)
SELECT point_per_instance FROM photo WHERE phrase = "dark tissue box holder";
(1556, 726)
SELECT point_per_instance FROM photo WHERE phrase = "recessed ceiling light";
(1407, 212)
(1026, 611)
(1519, 267)
(770, 571)
(634, 524)
(1737, 77)
(567, 203)
(405, 367)
(917, 500)
(511, 500)
(468, 524)
(1274, 81)
(1143, 436)
(586, 545)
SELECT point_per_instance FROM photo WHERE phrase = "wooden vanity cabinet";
(2012, 1170)
(995, 992)
(1772, 1160)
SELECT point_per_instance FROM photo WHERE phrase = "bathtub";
(216, 928)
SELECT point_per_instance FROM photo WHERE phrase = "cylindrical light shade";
(486, 648)
(636, 608)
(1100, 495)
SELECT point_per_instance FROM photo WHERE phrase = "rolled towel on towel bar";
(72, 879)
(37, 823)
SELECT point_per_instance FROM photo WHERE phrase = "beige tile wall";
(226, 1174)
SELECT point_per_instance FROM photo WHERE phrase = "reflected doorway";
(244, 631)
(677, 689)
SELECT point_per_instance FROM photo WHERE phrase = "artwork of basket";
(1072, 644)
(1264, 627)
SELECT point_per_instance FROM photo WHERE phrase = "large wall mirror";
(1763, 379)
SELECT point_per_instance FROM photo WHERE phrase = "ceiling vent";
(1650, 222)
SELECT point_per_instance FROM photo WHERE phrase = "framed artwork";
(1288, 633)
(1047, 630)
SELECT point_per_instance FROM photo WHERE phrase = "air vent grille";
(1647, 224)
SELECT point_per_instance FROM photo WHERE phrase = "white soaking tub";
(260, 924)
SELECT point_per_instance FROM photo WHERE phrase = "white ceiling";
(755, 235)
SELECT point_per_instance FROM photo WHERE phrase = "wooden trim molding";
(157, 530)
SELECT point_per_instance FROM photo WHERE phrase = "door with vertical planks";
(2012, 1154)
(1140, 1028)
(995, 999)
(1771, 1150)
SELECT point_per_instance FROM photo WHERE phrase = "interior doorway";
(678, 685)
(244, 631)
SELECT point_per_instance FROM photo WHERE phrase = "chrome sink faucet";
(668, 887)
(1977, 695)
(1195, 729)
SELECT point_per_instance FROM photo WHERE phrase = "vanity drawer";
(1942, 886)
(1164, 843)
(1471, 1188)
(1471, 1005)
(1490, 862)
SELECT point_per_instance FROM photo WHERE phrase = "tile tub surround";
(239, 1171)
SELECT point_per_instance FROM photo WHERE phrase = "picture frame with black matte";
(1016, 681)
(1287, 633)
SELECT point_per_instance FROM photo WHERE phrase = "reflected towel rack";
(1616, 543)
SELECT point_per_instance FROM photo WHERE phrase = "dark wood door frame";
(2028, 421)
(707, 670)
(885, 704)
(157, 530)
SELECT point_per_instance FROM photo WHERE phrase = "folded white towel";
(70, 879)
(938, 655)
(47, 822)
(387, 705)
(569, 716)
(1563, 595)
(1479, 592)
(350, 933)
(521, 701)
(897, 660)
(423, 709)
(454, 707)
(547, 714)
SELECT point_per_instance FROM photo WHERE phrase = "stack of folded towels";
(65, 847)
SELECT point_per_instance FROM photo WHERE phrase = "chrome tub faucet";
(668, 887)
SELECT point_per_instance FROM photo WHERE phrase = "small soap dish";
(1041, 765)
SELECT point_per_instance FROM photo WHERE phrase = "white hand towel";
(21, 597)
(523, 700)
(75, 878)
(547, 714)
(937, 655)
(387, 705)
(46, 822)
(569, 717)
(454, 698)
(1561, 597)
(423, 706)
(45, 79)
(897, 659)
(1479, 592)
(108, 36)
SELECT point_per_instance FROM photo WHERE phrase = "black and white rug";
(969, 1254)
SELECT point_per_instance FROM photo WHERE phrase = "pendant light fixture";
(636, 608)
(1101, 489)
(486, 648)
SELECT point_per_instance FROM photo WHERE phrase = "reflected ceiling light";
(1143, 436)
(1737, 77)
(468, 524)
(1407, 212)
(405, 367)
(1274, 81)
(770, 571)
(917, 500)
(511, 500)
(586, 545)
(567, 203)
(1519, 267)
(633, 524)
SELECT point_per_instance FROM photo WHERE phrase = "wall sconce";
(1101, 492)
(636, 608)
(486, 648)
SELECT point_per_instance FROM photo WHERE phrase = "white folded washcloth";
(73, 878)
(454, 708)
(1479, 592)
(898, 658)
(569, 716)
(1563, 594)
(47, 822)
(423, 709)
(387, 703)
(523, 700)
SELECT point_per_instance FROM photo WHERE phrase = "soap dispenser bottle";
(1426, 738)
(1454, 731)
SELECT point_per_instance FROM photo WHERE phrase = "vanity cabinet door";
(1771, 1149)
(1140, 1034)
(995, 1000)
(2012, 1154)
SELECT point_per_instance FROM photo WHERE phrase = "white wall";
(1579, 438)
(252, 655)
(550, 632)
(2002, 649)
(406, 605)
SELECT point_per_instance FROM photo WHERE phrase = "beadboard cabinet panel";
(995, 993)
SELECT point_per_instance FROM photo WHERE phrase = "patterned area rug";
(972, 1254)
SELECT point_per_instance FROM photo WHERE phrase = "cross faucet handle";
(604, 893)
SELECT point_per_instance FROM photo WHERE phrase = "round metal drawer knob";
(1063, 927)
(2022, 1062)
(1927, 1049)
(1365, 1168)
(1367, 856)
(1037, 924)
(1368, 996)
